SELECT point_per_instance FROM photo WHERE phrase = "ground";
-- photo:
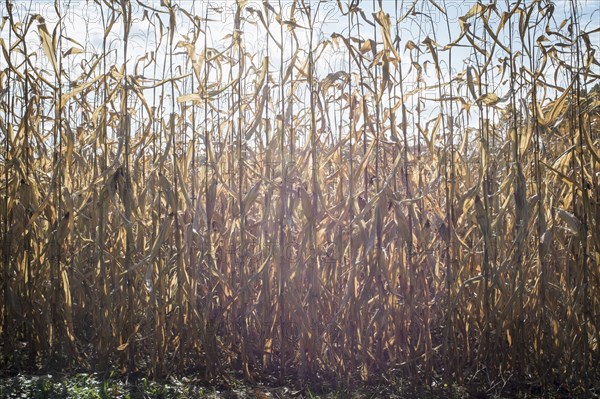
(90, 386)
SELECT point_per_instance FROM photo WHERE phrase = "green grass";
(94, 386)
(89, 386)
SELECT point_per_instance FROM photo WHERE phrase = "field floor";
(91, 386)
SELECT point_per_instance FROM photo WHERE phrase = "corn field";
(338, 190)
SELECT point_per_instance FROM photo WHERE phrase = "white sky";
(83, 23)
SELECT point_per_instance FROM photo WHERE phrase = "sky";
(83, 30)
(83, 21)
